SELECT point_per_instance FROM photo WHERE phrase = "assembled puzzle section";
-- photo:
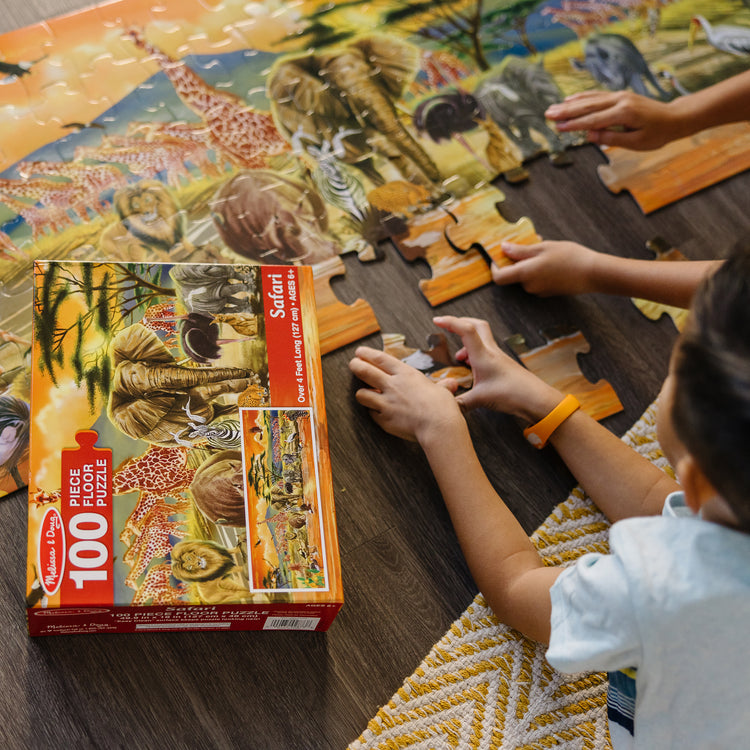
(556, 362)
(188, 485)
(459, 240)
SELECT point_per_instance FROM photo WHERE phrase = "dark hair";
(711, 409)
(15, 413)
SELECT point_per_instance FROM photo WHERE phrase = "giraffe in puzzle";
(149, 508)
(39, 219)
(193, 132)
(8, 248)
(154, 542)
(63, 195)
(161, 317)
(157, 588)
(243, 135)
(158, 473)
(142, 158)
(94, 179)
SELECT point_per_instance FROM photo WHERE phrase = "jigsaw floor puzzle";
(222, 131)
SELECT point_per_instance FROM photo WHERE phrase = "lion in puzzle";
(209, 567)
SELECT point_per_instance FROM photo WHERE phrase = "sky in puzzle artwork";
(84, 65)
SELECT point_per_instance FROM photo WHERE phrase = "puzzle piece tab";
(556, 362)
(457, 241)
(339, 324)
(435, 361)
(682, 167)
(654, 310)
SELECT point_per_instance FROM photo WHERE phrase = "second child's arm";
(623, 118)
(560, 267)
(619, 480)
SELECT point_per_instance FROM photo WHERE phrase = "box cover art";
(179, 464)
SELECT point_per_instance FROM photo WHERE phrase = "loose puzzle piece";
(435, 361)
(658, 178)
(556, 362)
(339, 324)
(458, 240)
(654, 310)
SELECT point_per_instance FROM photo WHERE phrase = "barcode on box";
(291, 623)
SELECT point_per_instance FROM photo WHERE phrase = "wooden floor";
(404, 577)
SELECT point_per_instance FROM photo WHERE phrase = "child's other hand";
(548, 268)
(401, 399)
(619, 118)
(500, 382)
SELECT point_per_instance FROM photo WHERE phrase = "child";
(561, 267)
(669, 604)
(622, 118)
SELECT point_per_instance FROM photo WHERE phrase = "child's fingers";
(504, 275)
(368, 398)
(367, 371)
(475, 334)
(516, 252)
(582, 103)
(379, 359)
(462, 356)
(450, 384)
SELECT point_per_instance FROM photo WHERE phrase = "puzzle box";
(179, 465)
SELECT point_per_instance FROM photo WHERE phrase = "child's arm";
(619, 118)
(638, 122)
(552, 267)
(620, 481)
(503, 561)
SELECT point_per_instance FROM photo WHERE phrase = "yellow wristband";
(538, 434)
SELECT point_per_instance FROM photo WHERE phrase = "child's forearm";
(667, 282)
(504, 563)
(619, 480)
(719, 104)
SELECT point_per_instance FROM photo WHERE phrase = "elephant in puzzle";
(152, 392)
(516, 99)
(615, 62)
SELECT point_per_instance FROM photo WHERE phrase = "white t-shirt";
(672, 602)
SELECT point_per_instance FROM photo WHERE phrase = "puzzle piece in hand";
(654, 310)
(436, 361)
(458, 240)
(556, 362)
(339, 324)
(682, 167)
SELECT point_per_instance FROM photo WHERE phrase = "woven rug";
(484, 686)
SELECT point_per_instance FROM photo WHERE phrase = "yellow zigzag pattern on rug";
(484, 686)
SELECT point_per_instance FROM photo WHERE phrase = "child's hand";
(401, 399)
(548, 268)
(500, 382)
(619, 118)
